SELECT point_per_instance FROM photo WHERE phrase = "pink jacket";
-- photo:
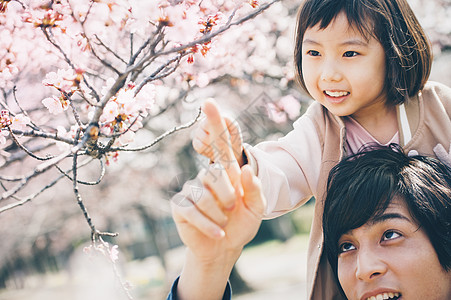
(296, 167)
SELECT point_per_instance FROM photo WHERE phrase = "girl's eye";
(313, 53)
(350, 54)
(345, 247)
(390, 235)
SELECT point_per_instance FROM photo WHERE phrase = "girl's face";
(391, 257)
(343, 70)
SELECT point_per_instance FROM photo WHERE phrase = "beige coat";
(296, 166)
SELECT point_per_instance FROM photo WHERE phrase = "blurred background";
(42, 242)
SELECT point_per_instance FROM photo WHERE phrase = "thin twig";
(22, 110)
(20, 155)
(103, 61)
(11, 178)
(87, 13)
(5, 105)
(137, 72)
(41, 134)
(45, 166)
(157, 34)
(78, 195)
(38, 170)
(20, 2)
(154, 76)
(109, 49)
(102, 172)
(25, 149)
(164, 135)
(31, 197)
(131, 44)
(74, 111)
(22, 200)
(207, 37)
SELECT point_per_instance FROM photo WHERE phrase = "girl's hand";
(215, 222)
(217, 136)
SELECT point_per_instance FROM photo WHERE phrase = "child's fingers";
(235, 137)
(190, 215)
(208, 205)
(222, 145)
(201, 143)
(254, 199)
(216, 180)
(234, 131)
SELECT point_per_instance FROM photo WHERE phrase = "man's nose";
(369, 265)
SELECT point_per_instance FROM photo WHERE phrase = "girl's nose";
(369, 265)
(330, 72)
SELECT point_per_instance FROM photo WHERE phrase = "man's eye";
(313, 53)
(390, 235)
(350, 54)
(345, 247)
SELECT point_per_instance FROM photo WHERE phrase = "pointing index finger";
(222, 145)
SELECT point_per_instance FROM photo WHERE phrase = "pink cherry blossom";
(202, 80)
(183, 22)
(275, 113)
(290, 105)
(88, 249)
(287, 106)
(19, 122)
(126, 138)
(125, 96)
(106, 87)
(110, 112)
(3, 135)
(145, 99)
(137, 124)
(54, 105)
(63, 80)
(114, 253)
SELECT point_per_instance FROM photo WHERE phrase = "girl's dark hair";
(361, 187)
(392, 23)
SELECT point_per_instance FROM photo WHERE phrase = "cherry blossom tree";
(80, 78)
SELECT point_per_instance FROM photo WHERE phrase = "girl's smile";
(336, 97)
(344, 70)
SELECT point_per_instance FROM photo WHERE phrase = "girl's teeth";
(336, 94)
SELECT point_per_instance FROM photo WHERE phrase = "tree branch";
(207, 37)
(158, 139)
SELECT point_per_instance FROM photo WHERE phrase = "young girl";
(366, 63)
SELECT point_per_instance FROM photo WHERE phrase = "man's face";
(391, 257)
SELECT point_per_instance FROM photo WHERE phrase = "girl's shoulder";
(437, 90)
(436, 97)
(317, 120)
(316, 111)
